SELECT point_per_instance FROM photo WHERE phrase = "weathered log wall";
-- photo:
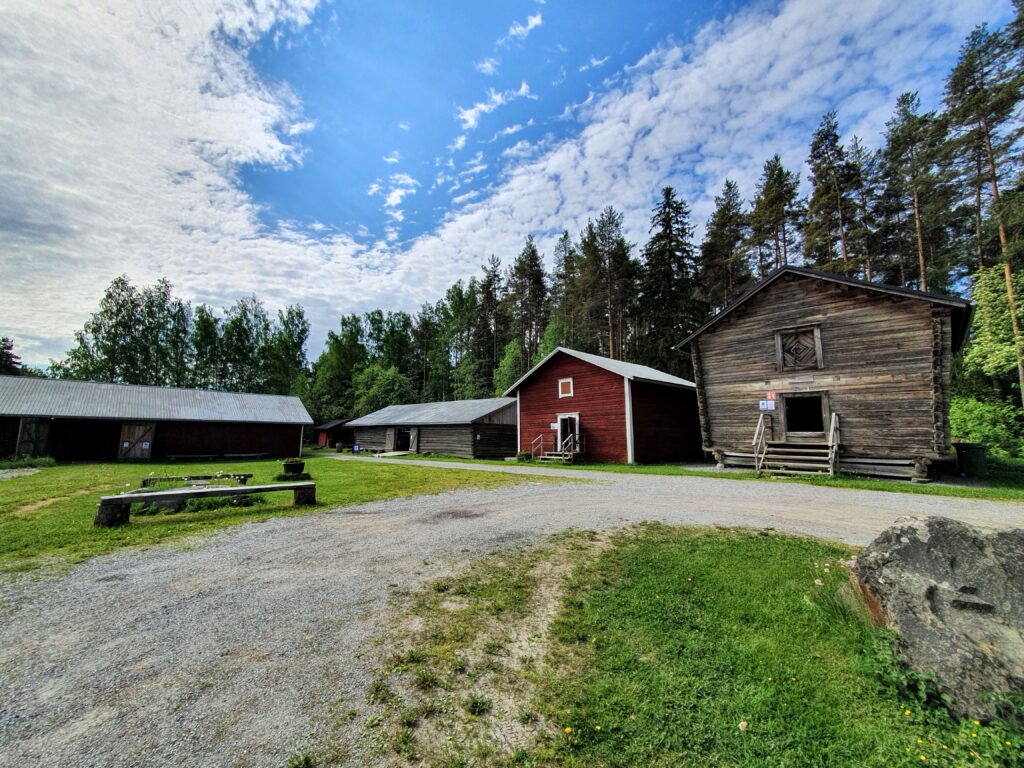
(885, 367)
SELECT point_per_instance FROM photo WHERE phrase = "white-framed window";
(565, 387)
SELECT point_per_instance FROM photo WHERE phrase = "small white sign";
(126, 444)
(145, 446)
(553, 425)
(767, 405)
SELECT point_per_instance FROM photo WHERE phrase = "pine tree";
(527, 298)
(670, 303)
(775, 215)
(10, 363)
(830, 207)
(488, 329)
(725, 269)
(617, 277)
(983, 94)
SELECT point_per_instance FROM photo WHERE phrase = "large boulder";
(955, 594)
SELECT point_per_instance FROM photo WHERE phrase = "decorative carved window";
(565, 387)
(798, 349)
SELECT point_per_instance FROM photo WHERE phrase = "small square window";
(565, 387)
(798, 349)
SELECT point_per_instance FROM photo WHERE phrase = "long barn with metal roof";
(472, 429)
(86, 420)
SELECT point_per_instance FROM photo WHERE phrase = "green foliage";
(378, 387)
(512, 366)
(301, 760)
(725, 271)
(10, 363)
(996, 424)
(477, 705)
(27, 462)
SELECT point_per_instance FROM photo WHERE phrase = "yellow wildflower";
(568, 729)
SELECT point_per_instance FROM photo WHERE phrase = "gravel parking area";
(241, 648)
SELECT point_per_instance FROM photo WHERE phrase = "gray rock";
(955, 594)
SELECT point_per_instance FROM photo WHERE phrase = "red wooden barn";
(578, 405)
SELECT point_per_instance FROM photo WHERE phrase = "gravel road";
(241, 648)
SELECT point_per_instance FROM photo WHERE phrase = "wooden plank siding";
(885, 368)
(469, 441)
(598, 397)
(370, 438)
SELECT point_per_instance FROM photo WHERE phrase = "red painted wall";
(598, 397)
(666, 424)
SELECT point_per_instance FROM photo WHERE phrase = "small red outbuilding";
(578, 405)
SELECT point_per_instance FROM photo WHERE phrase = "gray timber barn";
(472, 429)
(91, 421)
(811, 371)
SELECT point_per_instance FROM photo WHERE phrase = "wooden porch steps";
(782, 458)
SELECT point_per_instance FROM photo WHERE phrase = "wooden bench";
(245, 455)
(192, 457)
(113, 511)
(241, 479)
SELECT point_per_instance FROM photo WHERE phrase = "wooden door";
(389, 439)
(33, 437)
(567, 426)
(414, 439)
(136, 441)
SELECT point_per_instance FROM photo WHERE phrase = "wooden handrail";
(760, 442)
(833, 444)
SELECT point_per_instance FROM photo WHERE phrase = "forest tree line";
(939, 206)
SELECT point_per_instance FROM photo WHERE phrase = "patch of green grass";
(1005, 481)
(680, 646)
(48, 515)
(27, 462)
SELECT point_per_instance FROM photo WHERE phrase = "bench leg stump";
(305, 496)
(111, 515)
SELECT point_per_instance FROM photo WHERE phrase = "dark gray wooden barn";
(472, 429)
(86, 420)
(812, 371)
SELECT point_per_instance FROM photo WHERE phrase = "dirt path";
(244, 647)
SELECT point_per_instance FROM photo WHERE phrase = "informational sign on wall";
(553, 425)
(767, 405)
(771, 395)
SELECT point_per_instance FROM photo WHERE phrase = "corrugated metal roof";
(631, 371)
(333, 424)
(450, 412)
(27, 396)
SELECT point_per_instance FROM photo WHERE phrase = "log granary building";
(811, 371)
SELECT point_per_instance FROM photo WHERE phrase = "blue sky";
(348, 156)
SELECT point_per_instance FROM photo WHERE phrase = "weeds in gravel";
(48, 515)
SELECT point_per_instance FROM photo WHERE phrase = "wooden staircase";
(565, 453)
(778, 457)
(783, 458)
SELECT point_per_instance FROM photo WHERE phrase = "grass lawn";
(669, 646)
(49, 514)
(1005, 482)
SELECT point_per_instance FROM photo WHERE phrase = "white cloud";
(594, 63)
(488, 66)
(394, 157)
(520, 149)
(457, 144)
(470, 116)
(519, 31)
(404, 126)
(122, 153)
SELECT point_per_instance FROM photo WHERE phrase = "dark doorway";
(402, 439)
(805, 415)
